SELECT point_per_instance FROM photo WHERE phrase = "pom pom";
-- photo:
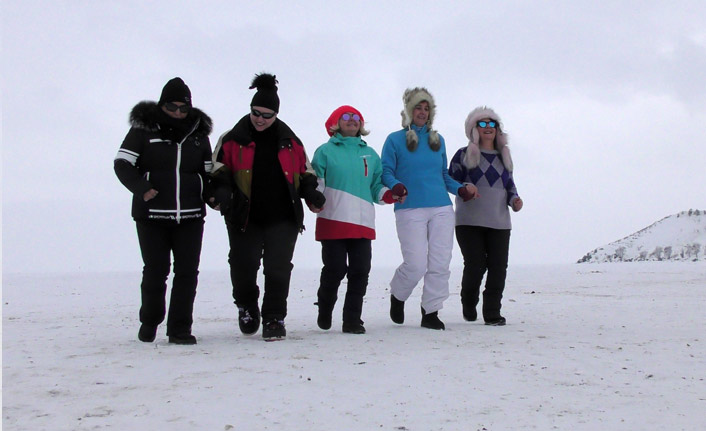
(264, 81)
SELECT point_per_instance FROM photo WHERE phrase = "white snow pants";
(426, 240)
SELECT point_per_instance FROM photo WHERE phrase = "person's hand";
(212, 201)
(315, 199)
(390, 198)
(149, 194)
(517, 204)
(468, 192)
(221, 200)
(314, 209)
(399, 190)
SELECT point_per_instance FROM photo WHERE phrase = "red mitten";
(464, 194)
(399, 190)
(387, 197)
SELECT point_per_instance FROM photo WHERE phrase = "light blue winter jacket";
(424, 172)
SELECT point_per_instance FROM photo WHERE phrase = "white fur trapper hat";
(411, 98)
(472, 157)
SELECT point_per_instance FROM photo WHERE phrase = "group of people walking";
(259, 173)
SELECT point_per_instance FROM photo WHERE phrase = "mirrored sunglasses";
(265, 115)
(172, 107)
(486, 124)
(348, 117)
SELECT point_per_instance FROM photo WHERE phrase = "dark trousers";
(157, 243)
(343, 257)
(272, 244)
(483, 249)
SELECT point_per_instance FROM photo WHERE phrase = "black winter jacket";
(147, 159)
(233, 172)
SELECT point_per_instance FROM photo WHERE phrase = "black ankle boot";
(147, 333)
(353, 327)
(182, 339)
(432, 321)
(469, 313)
(325, 316)
(396, 310)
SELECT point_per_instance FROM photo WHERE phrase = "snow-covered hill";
(679, 237)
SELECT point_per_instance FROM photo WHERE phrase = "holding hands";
(468, 192)
(398, 193)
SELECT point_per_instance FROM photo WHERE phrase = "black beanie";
(175, 91)
(266, 95)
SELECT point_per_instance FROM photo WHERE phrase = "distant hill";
(679, 237)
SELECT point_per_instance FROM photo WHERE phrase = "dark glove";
(224, 198)
(399, 190)
(464, 194)
(316, 199)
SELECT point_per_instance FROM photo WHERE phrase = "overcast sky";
(604, 105)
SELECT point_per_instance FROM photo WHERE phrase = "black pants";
(343, 257)
(157, 242)
(483, 249)
(273, 245)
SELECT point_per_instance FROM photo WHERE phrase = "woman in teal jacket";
(349, 174)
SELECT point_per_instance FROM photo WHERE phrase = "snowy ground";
(609, 347)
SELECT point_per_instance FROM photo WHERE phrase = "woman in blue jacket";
(414, 160)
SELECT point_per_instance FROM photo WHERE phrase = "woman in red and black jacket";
(261, 173)
(164, 161)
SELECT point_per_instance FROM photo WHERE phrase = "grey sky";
(604, 104)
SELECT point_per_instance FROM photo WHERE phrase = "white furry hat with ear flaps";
(472, 157)
(411, 98)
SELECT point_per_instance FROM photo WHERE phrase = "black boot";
(432, 321)
(354, 327)
(495, 321)
(182, 339)
(469, 313)
(396, 310)
(249, 318)
(147, 333)
(273, 330)
(325, 316)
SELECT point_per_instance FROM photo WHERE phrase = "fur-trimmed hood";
(411, 98)
(145, 115)
(472, 157)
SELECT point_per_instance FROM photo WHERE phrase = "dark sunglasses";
(486, 124)
(348, 117)
(171, 107)
(265, 115)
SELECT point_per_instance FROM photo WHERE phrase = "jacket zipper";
(178, 172)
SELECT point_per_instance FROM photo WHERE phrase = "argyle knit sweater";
(496, 188)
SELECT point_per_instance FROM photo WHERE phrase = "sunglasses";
(348, 117)
(484, 124)
(265, 115)
(171, 107)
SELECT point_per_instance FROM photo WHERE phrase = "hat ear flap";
(412, 140)
(472, 157)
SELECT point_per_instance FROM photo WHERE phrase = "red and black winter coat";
(232, 174)
(178, 170)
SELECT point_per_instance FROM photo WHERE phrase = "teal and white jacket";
(350, 176)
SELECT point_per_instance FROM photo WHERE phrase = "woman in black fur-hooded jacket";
(164, 161)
